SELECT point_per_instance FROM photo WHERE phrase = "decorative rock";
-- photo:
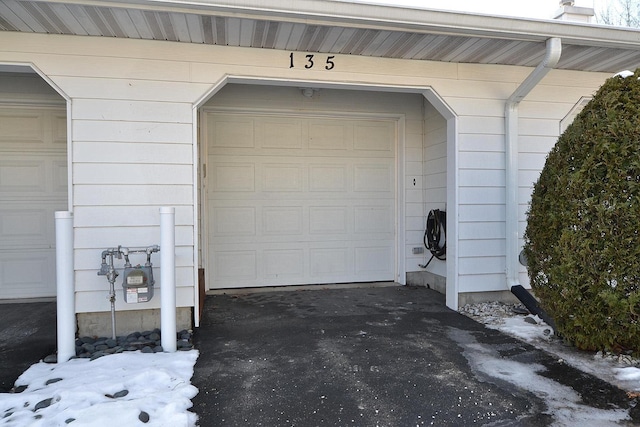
(87, 340)
(53, 381)
(147, 342)
(531, 320)
(69, 420)
(121, 393)
(52, 358)
(144, 417)
(43, 404)
(19, 388)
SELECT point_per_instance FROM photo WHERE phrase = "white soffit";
(334, 27)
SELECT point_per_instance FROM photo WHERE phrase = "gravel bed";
(147, 342)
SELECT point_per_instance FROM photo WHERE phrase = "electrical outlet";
(418, 250)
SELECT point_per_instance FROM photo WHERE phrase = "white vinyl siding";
(132, 135)
(126, 166)
(434, 176)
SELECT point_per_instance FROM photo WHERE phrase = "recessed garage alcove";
(33, 182)
(312, 185)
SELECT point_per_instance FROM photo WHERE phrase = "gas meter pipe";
(168, 279)
(65, 297)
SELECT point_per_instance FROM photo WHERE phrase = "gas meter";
(138, 284)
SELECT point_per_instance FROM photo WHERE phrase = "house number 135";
(311, 62)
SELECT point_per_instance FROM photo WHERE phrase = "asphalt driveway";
(27, 335)
(385, 356)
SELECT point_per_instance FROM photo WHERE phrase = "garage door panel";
(284, 264)
(22, 226)
(328, 177)
(27, 273)
(371, 220)
(22, 176)
(303, 206)
(328, 220)
(373, 178)
(373, 136)
(372, 260)
(60, 130)
(59, 176)
(234, 221)
(279, 134)
(282, 220)
(282, 177)
(233, 177)
(231, 131)
(330, 135)
(329, 263)
(22, 125)
(235, 265)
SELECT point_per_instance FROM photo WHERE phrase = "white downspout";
(551, 58)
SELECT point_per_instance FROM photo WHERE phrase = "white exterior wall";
(132, 141)
(482, 161)
(434, 176)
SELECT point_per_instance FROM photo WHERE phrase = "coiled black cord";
(435, 235)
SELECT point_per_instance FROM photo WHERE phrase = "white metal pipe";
(168, 278)
(552, 56)
(65, 292)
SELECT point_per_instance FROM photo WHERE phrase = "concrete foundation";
(478, 297)
(99, 324)
(439, 284)
(428, 280)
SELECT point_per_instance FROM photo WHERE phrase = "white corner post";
(65, 289)
(550, 60)
(168, 279)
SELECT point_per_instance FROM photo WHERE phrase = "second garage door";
(33, 185)
(299, 200)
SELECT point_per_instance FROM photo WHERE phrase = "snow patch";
(624, 74)
(121, 390)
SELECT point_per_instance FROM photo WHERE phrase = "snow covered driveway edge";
(126, 389)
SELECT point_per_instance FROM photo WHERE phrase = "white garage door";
(298, 200)
(33, 185)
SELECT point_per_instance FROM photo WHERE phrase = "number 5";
(330, 63)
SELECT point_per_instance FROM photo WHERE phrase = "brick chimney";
(569, 12)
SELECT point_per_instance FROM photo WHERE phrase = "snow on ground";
(127, 389)
(620, 370)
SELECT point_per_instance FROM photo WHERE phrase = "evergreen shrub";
(581, 240)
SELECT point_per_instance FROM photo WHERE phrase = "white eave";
(334, 27)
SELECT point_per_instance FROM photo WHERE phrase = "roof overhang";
(337, 27)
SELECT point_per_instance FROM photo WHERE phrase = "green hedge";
(581, 240)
